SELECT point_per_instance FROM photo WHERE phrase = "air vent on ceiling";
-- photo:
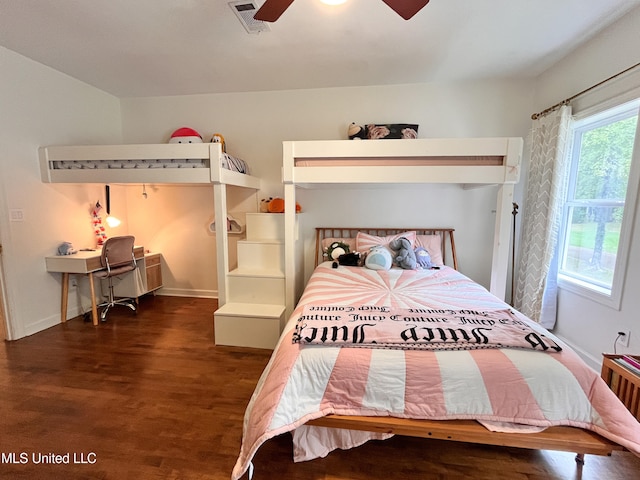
(245, 11)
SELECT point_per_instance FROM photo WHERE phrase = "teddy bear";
(264, 204)
(404, 255)
(423, 259)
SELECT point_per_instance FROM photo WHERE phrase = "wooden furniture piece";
(446, 234)
(253, 315)
(147, 279)
(83, 262)
(623, 382)
(558, 438)
(566, 439)
(201, 163)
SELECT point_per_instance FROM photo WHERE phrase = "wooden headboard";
(341, 232)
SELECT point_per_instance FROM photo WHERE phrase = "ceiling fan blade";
(406, 8)
(271, 10)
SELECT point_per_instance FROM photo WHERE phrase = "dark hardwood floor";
(149, 396)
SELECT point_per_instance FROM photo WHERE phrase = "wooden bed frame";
(566, 439)
(341, 232)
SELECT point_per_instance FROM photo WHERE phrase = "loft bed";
(333, 392)
(315, 413)
(466, 161)
(167, 163)
(195, 163)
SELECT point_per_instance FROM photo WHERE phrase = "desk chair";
(117, 258)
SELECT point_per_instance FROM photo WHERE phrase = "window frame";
(585, 288)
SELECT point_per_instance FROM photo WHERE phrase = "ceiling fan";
(272, 9)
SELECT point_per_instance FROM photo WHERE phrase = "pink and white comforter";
(516, 386)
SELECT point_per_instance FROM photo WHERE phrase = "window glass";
(595, 211)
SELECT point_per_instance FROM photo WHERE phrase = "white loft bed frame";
(211, 172)
(463, 169)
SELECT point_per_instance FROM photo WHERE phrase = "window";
(598, 212)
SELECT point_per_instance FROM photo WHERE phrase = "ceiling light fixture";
(333, 2)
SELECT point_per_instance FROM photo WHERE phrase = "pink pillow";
(364, 241)
(433, 245)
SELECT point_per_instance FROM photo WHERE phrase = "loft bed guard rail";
(197, 163)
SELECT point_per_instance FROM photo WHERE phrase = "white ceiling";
(136, 48)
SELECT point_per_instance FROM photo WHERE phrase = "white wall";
(39, 107)
(255, 124)
(589, 326)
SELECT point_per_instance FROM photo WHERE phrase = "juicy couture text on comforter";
(375, 326)
(513, 385)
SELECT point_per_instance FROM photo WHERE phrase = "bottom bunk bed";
(469, 368)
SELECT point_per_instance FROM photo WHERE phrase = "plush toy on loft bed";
(375, 131)
(185, 135)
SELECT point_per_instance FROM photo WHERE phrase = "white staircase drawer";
(255, 288)
(267, 255)
(243, 325)
(265, 226)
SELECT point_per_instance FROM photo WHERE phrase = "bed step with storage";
(253, 315)
(254, 325)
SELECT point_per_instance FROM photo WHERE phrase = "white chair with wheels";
(117, 258)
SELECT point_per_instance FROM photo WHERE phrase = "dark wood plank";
(153, 398)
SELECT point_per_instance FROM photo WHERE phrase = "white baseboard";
(184, 292)
(594, 363)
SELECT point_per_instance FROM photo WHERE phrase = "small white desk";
(83, 262)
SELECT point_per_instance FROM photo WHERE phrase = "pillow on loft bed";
(433, 245)
(234, 164)
(391, 131)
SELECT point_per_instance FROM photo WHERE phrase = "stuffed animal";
(185, 135)
(351, 259)
(378, 258)
(423, 259)
(356, 132)
(66, 248)
(336, 249)
(404, 255)
(218, 138)
(276, 205)
(264, 204)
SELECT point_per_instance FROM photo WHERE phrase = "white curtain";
(536, 287)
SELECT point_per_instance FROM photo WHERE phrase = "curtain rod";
(567, 100)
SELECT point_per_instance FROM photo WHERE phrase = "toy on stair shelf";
(264, 204)
(275, 205)
(185, 135)
(96, 221)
